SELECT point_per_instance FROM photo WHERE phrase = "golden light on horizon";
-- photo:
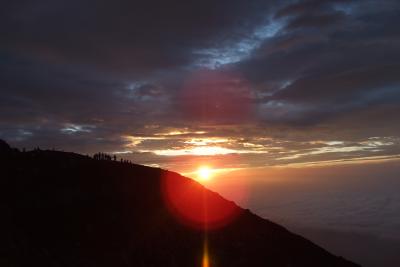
(204, 173)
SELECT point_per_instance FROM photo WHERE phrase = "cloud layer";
(281, 81)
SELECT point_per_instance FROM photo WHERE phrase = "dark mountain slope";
(64, 209)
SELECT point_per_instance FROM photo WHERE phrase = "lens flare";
(194, 205)
(213, 96)
(206, 257)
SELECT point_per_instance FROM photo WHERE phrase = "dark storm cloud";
(310, 72)
(42, 90)
(123, 35)
(317, 21)
(310, 6)
(112, 64)
(89, 74)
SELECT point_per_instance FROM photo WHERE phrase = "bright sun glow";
(204, 173)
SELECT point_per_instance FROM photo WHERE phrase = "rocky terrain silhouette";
(65, 209)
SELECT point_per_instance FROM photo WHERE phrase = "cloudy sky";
(295, 105)
(231, 83)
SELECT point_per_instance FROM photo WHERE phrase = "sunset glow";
(197, 151)
(204, 173)
(213, 112)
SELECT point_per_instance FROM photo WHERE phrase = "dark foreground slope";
(64, 209)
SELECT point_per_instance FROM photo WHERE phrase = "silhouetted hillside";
(4, 147)
(65, 209)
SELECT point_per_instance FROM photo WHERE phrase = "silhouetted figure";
(102, 156)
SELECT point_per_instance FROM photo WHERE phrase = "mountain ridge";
(66, 209)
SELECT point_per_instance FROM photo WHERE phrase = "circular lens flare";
(194, 205)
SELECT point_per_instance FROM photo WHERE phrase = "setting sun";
(204, 173)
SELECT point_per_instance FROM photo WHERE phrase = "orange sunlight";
(204, 173)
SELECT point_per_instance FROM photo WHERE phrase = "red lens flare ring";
(194, 205)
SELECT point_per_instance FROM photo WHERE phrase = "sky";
(243, 84)
(244, 87)
(236, 83)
